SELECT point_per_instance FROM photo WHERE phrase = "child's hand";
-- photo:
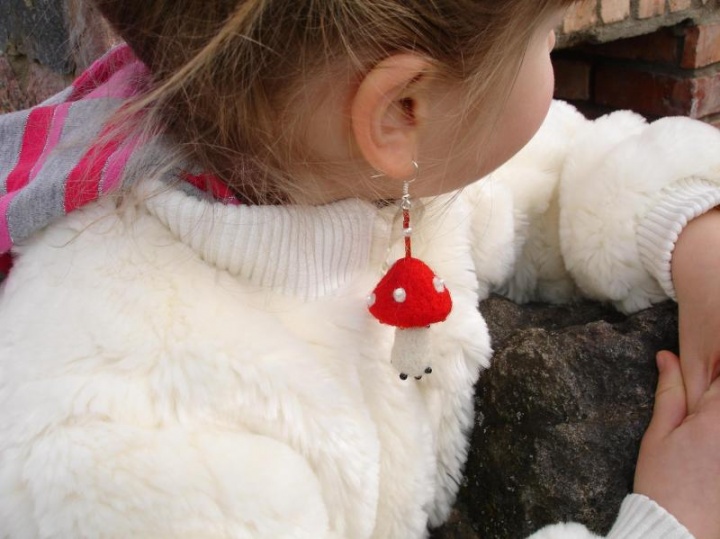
(679, 462)
(696, 276)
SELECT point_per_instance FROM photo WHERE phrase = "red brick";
(650, 8)
(706, 93)
(641, 91)
(614, 10)
(679, 5)
(656, 94)
(702, 46)
(580, 16)
(572, 79)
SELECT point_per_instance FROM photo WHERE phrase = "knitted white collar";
(304, 251)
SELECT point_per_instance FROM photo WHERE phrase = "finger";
(714, 390)
(693, 358)
(670, 399)
(695, 376)
(715, 369)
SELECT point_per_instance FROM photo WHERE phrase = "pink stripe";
(116, 165)
(5, 239)
(34, 139)
(125, 83)
(57, 125)
(101, 70)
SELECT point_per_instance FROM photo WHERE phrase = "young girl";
(198, 226)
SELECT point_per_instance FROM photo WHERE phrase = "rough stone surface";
(36, 29)
(44, 44)
(11, 95)
(560, 416)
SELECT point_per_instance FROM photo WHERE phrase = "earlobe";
(387, 111)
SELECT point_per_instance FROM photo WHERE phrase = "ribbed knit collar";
(303, 251)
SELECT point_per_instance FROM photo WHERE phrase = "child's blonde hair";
(227, 72)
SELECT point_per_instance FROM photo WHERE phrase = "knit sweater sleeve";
(639, 518)
(594, 208)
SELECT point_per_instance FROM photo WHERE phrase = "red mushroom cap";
(410, 295)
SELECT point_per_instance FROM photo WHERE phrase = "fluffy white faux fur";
(146, 392)
(564, 531)
(617, 168)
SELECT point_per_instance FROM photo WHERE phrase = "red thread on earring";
(406, 226)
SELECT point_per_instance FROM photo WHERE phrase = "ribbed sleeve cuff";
(659, 230)
(642, 518)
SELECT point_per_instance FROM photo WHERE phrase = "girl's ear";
(388, 108)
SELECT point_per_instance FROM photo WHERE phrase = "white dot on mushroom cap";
(371, 300)
(439, 284)
(400, 295)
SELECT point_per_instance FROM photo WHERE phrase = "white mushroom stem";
(411, 351)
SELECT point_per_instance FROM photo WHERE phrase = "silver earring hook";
(380, 174)
(417, 172)
(406, 204)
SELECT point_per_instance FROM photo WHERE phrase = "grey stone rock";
(36, 29)
(560, 416)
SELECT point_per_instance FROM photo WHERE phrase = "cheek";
(486, 146)
(531, 99)
(526, 108)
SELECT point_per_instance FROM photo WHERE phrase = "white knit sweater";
(170, 367)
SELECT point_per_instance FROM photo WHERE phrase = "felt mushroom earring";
(410, 297)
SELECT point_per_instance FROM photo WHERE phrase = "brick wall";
(657, 57)
(609, 20)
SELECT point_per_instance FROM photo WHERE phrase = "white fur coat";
(154, 383)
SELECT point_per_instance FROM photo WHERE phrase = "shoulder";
(107, 303)
(107, 244)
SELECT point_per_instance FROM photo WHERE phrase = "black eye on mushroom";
(411, 298)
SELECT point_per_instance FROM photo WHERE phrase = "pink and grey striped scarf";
(57, 157)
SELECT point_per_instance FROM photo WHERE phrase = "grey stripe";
(83, 123)
(58, 98)
(43, 200)
(159, 160)
(36, 206)
(12, 127)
